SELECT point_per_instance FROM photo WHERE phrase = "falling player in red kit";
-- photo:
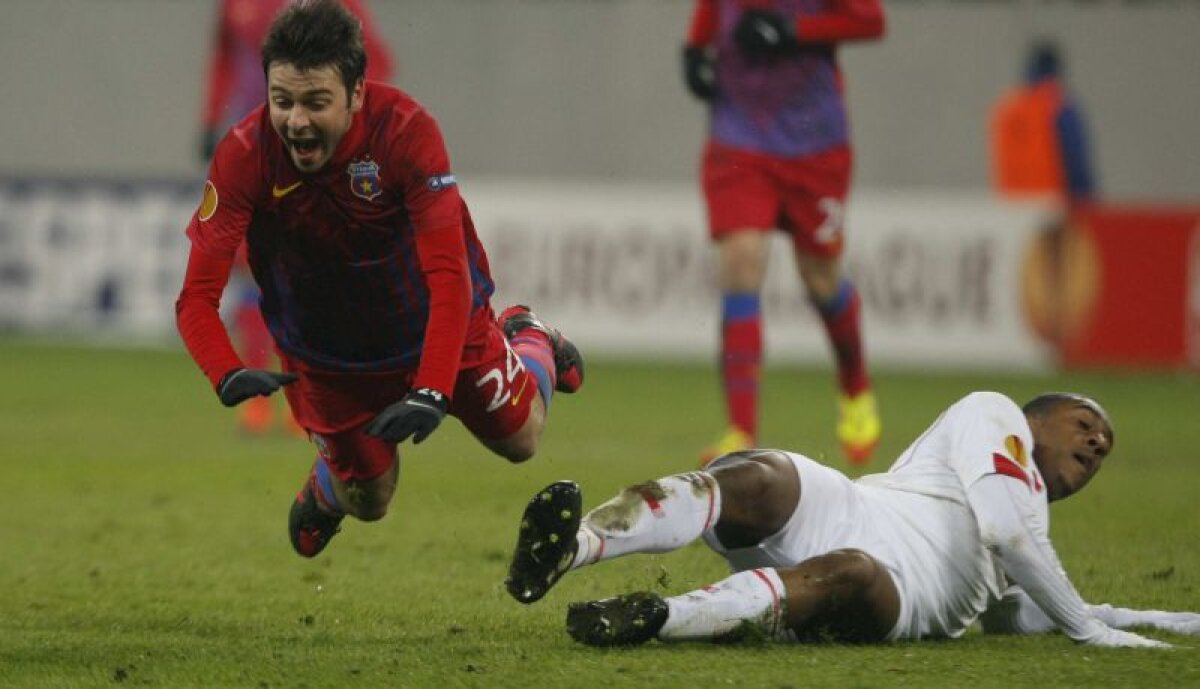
(374, 284)
(235, 85)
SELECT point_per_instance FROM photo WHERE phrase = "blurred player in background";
(375, 287)
(1041, 154)
(1040, 147)
(957, 530)
(235, 86)
(778, 156)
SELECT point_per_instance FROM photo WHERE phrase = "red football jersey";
(372, 263)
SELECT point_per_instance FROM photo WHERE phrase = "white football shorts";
(930, 546)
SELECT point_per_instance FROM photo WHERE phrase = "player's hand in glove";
(1116, 638)
(699, 72)
(418, 414)
(1178, 622)
(241, 384)
(764, 34)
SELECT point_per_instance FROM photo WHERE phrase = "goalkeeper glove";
(418, 414)
(764, 34)
(241, 384)
(699, 72)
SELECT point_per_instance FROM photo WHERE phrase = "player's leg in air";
(541, 361)
(503, 401)
(815, 215)
(747, 498)
(353, 474)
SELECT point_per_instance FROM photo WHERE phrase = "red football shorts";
(492, 398)
(804, 197)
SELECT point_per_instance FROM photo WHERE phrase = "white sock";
(755, 596)
(653, 517)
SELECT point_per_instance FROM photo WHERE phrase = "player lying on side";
(956, 531)
(375, 286)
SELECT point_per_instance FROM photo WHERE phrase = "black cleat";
(310, 528)
(545, 542)
(628, 620)
(568, 362)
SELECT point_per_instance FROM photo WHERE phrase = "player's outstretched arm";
(1016, 613)
(1028, 559)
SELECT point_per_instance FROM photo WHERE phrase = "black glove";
(699, 72)
(764, 34)
(241, 384)
(418, 414)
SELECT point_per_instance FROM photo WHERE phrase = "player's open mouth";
(305, 149)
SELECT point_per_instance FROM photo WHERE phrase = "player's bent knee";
(368, 500)
(844, 595)
(520, 453)
(371, 513)
(854, 568)
(759, 494)
(516, 448)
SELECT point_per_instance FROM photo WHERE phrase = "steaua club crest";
(364, 179)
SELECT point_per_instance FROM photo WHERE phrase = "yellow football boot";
(858, 426)
(733, 440)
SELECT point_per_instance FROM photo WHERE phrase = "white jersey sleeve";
(1016, 613)
(981, 434)
(991, 435)
(968, 441)
(1014, 529)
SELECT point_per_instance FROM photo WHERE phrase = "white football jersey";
(982, 434)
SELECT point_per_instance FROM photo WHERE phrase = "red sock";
(841, 317)
(741, 359)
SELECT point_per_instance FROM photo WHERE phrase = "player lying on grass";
(957, 530)
(374, 284)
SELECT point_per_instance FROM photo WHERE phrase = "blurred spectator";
(778, 156)
(236, 85)
(1040, 154)
(1039, 139)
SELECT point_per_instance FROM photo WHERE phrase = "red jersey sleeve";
(216, 230)
(845, 20)
(703, 27)
(436, 212)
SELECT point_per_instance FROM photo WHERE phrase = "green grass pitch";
(143, 541)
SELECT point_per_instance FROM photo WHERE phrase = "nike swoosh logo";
(280, 192)
(517, 397)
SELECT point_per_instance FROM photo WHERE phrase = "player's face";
(311, 111)
(1069, 444)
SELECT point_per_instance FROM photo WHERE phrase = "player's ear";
(356, 95)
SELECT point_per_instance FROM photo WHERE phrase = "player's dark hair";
(1049, 401)
(314, 33)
